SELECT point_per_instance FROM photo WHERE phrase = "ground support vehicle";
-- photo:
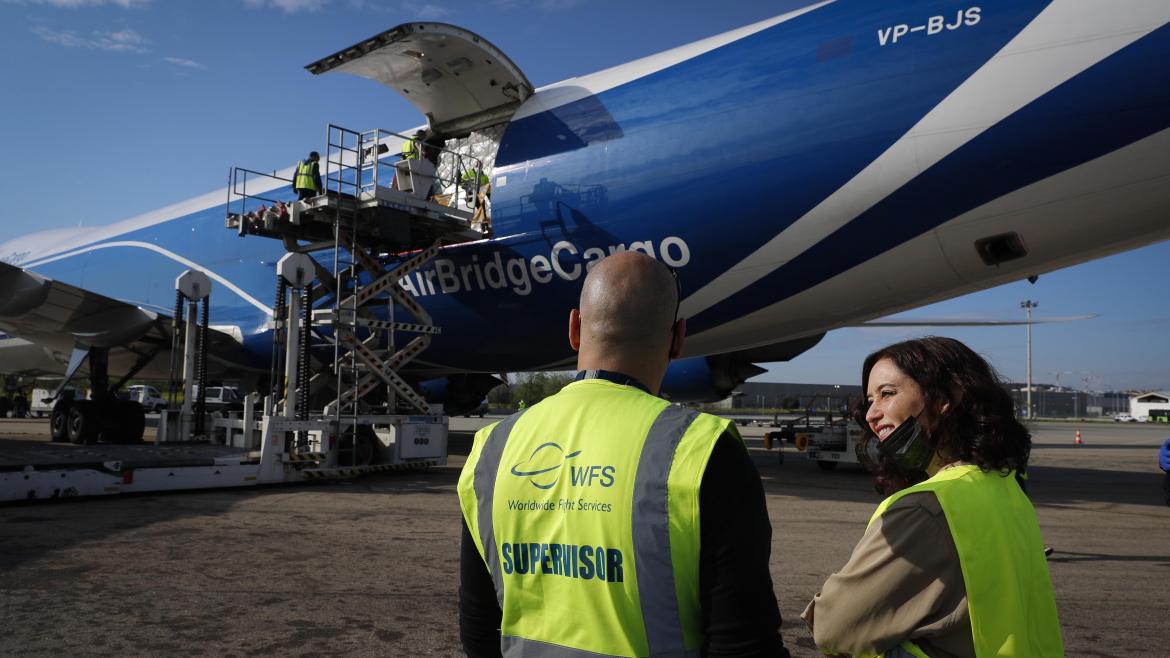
(32, 471)
(148, 396)
(339, 404)
(834, 445)
(828, 445)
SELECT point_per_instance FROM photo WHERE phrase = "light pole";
(1028, 305)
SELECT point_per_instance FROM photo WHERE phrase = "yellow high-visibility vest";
(304, 179)
(1009, 590)
(470, 177)
(585, 509)
(410, 150)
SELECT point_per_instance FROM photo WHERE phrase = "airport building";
(1059, 402)
(1154, 406)
(1048, 401)
(772, 395)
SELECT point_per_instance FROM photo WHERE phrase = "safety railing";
(358, 163)
(247, 208)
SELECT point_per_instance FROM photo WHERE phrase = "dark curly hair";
(980, 426)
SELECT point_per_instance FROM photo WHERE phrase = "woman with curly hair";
(952, 563)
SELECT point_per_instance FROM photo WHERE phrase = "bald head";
(628, 304)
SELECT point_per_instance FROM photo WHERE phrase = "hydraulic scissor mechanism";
(344, 330)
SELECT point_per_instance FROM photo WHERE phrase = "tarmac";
(369, 567)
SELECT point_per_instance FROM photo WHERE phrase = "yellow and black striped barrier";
(304, 456)
(354, 471)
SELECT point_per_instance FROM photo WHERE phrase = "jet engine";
(713, 378)
(459, 394)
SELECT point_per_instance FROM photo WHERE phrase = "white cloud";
(185, 63)
(124, 40)
(427, 11)
(75, 4)
(404, 8)
(287, 6)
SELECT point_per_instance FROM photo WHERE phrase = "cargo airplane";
(831, 165)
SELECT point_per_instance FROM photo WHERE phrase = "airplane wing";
(961, 322)
(58, 317)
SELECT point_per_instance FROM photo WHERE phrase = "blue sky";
(116, 107)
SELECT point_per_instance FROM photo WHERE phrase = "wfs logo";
(546, 464)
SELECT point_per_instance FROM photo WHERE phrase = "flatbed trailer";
(36, 470)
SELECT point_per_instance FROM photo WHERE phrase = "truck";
(148, 396)
(223, 398)
(37, 405)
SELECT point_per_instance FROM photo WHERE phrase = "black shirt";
(739, 611)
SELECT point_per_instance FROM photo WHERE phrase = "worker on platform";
(307, 181)
(951, 564)
(474, 182)
(582, 532)
(478, 189)
(416, 147)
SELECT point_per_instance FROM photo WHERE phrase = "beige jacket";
(903, 581)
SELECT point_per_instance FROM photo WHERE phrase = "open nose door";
(453, 76)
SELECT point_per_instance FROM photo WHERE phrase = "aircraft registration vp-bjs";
(815, 170)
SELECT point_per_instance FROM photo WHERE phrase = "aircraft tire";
(82, 422)
(131, 419)
(826, 465)
(59, 423)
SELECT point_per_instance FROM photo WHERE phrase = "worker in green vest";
(952, 564)
(307, 181)
(473, 180)
(582, 532)
(412, 149)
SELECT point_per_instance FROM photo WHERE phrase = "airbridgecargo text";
(565, 261)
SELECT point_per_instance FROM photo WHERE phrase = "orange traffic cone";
(1078, 440)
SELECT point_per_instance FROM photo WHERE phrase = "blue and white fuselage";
(815, 170)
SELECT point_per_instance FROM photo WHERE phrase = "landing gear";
(104, 417)
(131, 421)
(87, 421)
(81, 426)
(59, 421)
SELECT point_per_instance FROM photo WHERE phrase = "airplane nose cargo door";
(453, 76)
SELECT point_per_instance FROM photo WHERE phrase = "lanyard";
(615, 377)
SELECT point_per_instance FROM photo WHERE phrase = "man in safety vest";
(582, 532)
(413, 148)
(474, 180)
(307, 181)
